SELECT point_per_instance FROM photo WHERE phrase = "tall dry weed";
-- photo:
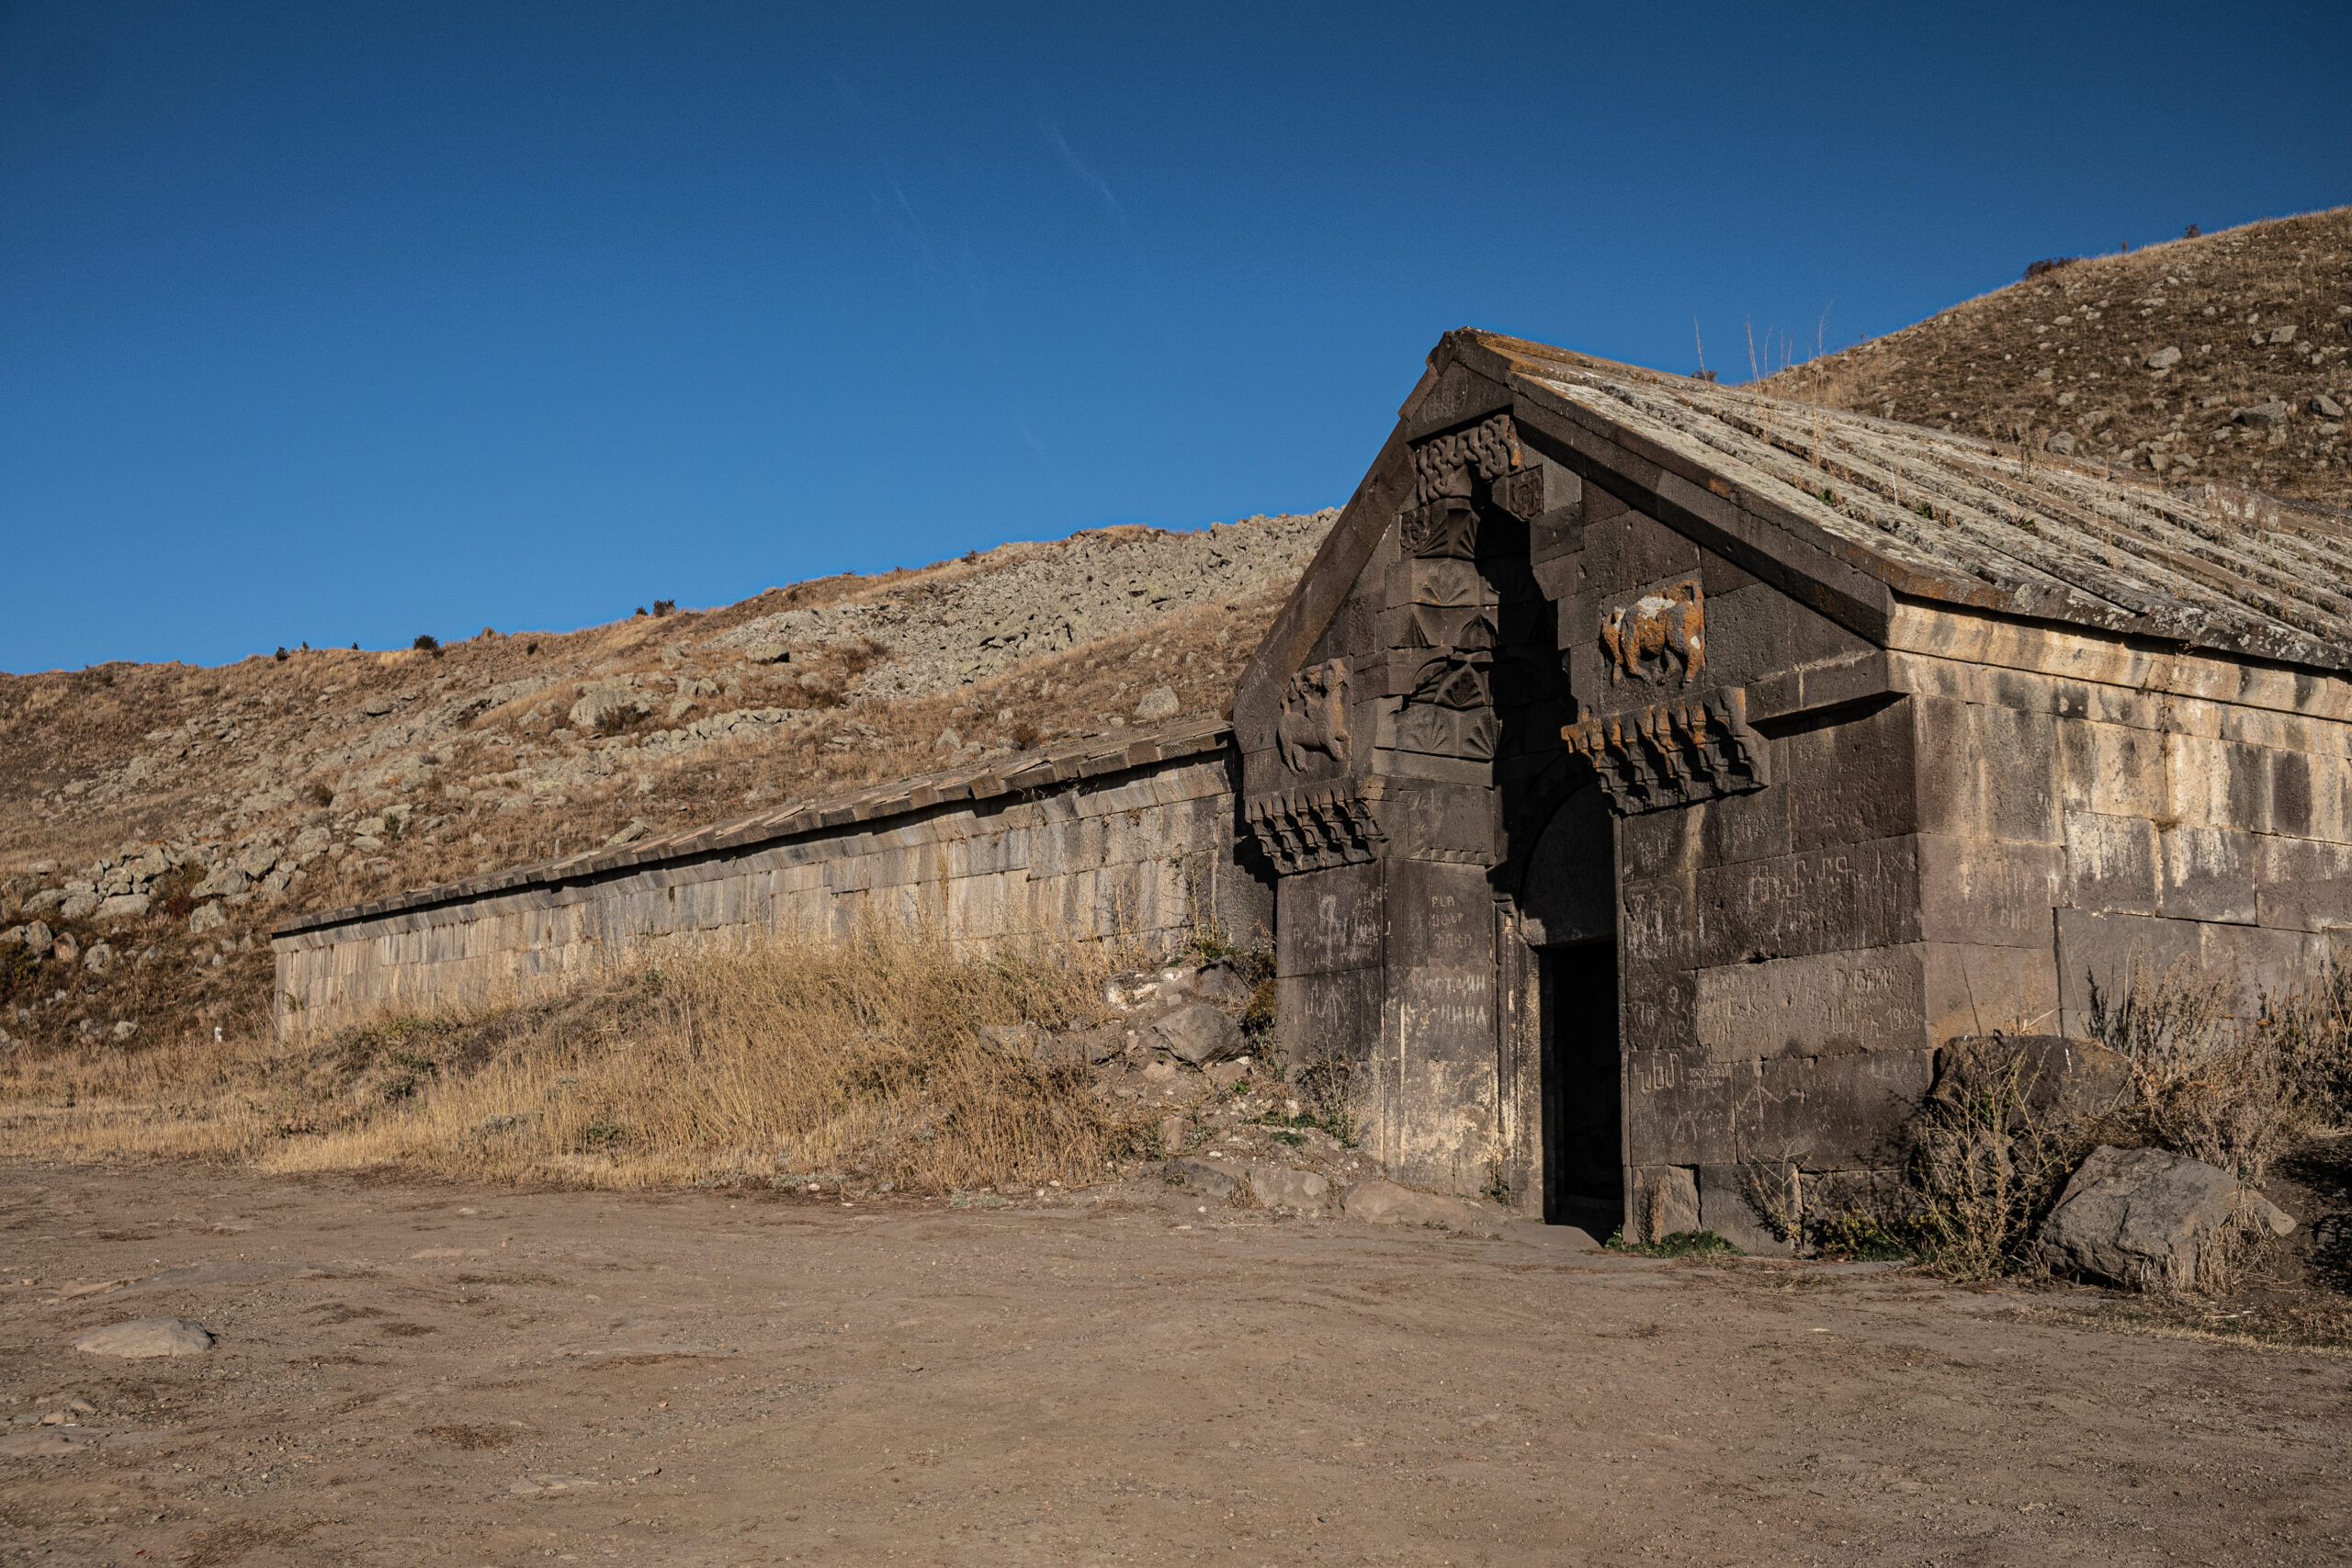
(790, 1059)
(2234, 1091)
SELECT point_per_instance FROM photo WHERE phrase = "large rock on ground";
(1279, 1187)
(1201, 1035)
(1385, 1203)
(143, 1337)
(2148, 1217)
(1200, 1174)
(2058, 1079)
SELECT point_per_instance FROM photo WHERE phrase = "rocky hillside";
(156, 820)
(2218, 357)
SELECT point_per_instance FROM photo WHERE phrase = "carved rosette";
(1694, 747)
(1318, 827)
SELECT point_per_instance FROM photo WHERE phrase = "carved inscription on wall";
(1656, 639)
(1315, 716)
(1687, 748)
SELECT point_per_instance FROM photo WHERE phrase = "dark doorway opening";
(1583, 1082)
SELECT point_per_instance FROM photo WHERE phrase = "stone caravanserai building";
(1642, 781)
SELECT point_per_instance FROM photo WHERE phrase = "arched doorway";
(1568, 913)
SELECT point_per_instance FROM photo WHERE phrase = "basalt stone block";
(1331, 919)
(1834, 1110)
(1758, 825)
(2289, 795)
(1334, 1016)
(1441, 914)
(1660, 923)
(2111, 864)
(1821, 1002)
(1756, 1205)
(1661, 1200)
(1658, 1011)
(1985, 771)
(1653, 844)
(1821, 900)
(2302, 884)
(1626, 548)
(1849, 781)
(1754, 631)
(2208, 874)
(1988, 892)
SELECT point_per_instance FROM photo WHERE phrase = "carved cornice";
(1318, 826)
(1687, 748)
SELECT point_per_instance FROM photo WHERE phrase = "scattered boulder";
(1158, 703)
(1089, 1046)
(2327, 407)
(257, 862)
(1385, 1203)
(1200, 1175)
(125, 906)
(2262, 416)
(79, 907)
(2058, 1079)
(99, 958)
(2163, 359)
(124, 1030)
(1201, 1035)
(206, 918)
(375, 707)
(2148, 1217)
(1278, 1187)
(144, 1336)
(2063, 443)
(38, 939)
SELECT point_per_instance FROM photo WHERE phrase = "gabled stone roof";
(1946, 517)
(1097, 757)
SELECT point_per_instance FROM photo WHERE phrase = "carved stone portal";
(1315, 716)
(1690, 748)
(1654, 638)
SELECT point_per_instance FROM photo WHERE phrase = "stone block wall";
(1142, 853)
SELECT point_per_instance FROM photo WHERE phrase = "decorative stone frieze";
(1318, 826)
(1694, 747)
(1444, 465)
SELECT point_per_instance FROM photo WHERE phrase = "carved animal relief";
(1315, 716)
(1656, 639)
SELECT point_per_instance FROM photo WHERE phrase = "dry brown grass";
(795, 1059)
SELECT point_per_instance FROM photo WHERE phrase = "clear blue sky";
(342, 321)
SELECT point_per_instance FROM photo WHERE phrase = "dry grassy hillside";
(156, 820)
(2220, 358)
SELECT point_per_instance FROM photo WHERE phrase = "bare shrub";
(1984, 1171)
(2234, 1092)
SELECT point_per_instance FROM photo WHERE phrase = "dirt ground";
(417, 1373)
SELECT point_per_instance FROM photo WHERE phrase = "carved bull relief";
(1314, 716)
(1655, 638)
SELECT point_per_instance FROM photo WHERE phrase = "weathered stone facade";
(1132, 841)
(1712, 761)
(1649, 776)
